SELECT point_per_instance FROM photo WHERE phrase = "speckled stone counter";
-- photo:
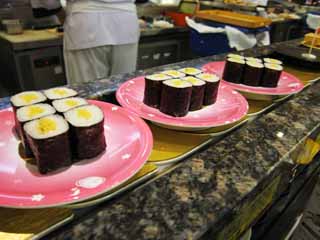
(223, 187)
(196, 196)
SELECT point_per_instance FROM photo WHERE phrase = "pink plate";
(288, 83)
(230, 107)
(129, 142)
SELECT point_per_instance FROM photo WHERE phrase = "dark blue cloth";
(4, 102)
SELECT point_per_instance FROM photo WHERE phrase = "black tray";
(293, 53)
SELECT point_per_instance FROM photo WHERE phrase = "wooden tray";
(295, 52)
(233, 18)
(308, 44)
(308, 38)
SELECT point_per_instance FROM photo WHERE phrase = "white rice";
(59, 93)
(27, 98)
(207, 77)
(255, 64)
(158, 77)
(236, 60)
(31, 112)
(232, 55)
(46, 127)
(84, 116)
(66, 104)
(252, 59)
(271, 60)
(276, 67)
(194, 81)
(190, 71)
(174, 73)
(177, 83)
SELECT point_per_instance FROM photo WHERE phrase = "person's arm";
(45, 8)
(61, 15)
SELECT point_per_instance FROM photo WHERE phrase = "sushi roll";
(252, 73)
(271, 75)
(198, 87)
(153, 88)
(29, 113)
(174, 74)
(211, 89)
(189, 71)
(24, 99)
(59, 93)
(237, 56)
(66, 104)
(176, 97)
(49, 141)
(272, 60)
(252, 59)
(87, 131)
(233, 70)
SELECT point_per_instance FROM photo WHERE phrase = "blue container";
(207, 44)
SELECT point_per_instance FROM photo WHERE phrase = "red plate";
(129, 142)
(288, 84)
(230, 107)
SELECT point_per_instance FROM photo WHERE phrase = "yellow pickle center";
(46, 125)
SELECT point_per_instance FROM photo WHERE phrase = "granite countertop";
(206, 190)
(196, 196)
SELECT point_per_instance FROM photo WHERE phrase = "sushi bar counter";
(209, 184)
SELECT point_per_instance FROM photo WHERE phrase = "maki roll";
(198, 87)
(190, 71)
(233, 70)
(153, 88)
(272, 60)
(24, 99)
(29, 113)
(49, 141)
(211, 89)
(271, 76)
(174, 74)
(237, 56)
(252, 59)
(253, 73)
(176, 97)
(66, 104)
(87, 131)
(59, 93)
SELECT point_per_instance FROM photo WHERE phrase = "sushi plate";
(229, 108)
(129, 144)
(288, 84)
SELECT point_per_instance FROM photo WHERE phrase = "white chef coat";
(100, 37)
(95, 23)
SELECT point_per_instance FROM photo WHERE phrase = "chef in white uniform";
(100, 37)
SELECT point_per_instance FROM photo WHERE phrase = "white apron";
(98, 23)
(100, 38)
